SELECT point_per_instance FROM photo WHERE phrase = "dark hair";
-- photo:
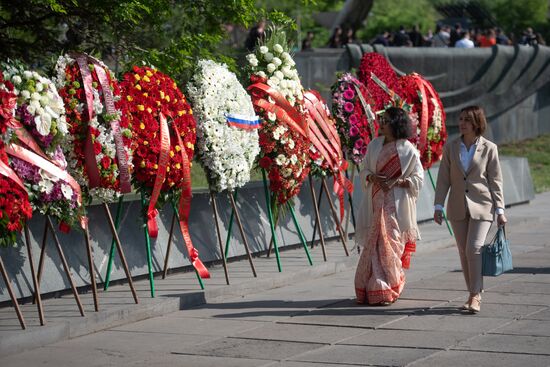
(477, 117)
(399, 122)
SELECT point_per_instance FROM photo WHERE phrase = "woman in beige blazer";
(470, 168)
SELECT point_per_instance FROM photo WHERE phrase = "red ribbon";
(124, 172)
(89, 153)
(281, 108)
(184, 208)
(6, 171)
(164, 156)
(36, 160)
(24, 136)
(327, 141)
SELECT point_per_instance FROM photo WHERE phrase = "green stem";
(271, 224)
(230, 228)
(113, 243)
(300, 233)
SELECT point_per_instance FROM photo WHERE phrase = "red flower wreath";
(377, 64)
(151, 93)
(435, 132)
(15, 207)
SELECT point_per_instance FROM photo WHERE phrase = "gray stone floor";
(307, 317)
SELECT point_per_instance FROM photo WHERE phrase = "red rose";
(265, 162)
(106, 162)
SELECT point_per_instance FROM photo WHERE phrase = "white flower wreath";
(226, 152)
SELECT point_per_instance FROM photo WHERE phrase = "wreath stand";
(49, 225)
(272, 224)
(116, 245)
(12, 295)
(235, 212)
(317, 206)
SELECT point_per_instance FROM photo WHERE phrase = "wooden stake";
(215, 209)
(237, 215)
(12, 295)
(336, 219)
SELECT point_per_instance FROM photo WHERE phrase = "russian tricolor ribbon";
(243, 121)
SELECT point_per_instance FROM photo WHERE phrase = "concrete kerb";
(13, 342)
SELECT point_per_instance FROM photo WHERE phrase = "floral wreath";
(227, 139)
(355, 120)
(100, 140)
(36, 135)
(277, 95)
(164, 137)
(414, 94)
(15, 208)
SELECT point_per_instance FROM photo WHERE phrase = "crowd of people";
(456, 36)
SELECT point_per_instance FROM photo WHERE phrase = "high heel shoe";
(475, 304)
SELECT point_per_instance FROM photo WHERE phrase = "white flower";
(263, 49)
(35, 96)
(277, 61)
(16, 79)
(279, 75)
(261, 74)
(39, 87)
(271, 116)
(43, 124)
(27, 74)
(286, 56)
(252, 60)
(293, 158)
(268, 57)
(25, 94)
(67, 191)
(278, 48)
(271, 68)
(281, 160)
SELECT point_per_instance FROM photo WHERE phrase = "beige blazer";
(479, 190)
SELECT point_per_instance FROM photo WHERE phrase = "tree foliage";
(170, 34)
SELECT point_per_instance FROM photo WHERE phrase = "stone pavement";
(306, 316)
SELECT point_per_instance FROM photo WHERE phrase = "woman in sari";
(387, 229)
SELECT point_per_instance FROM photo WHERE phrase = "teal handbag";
(496, 256)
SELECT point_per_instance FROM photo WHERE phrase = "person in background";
(307, 43)
(441, 37)
(382, 39)
(416, 37)
(349, 37)
(401, 38)
(489, 38)
(501, 38)
(539, 39)
(470, 169)
(456, 33)
(256, 34)
(465, 41)
(529, 38)
(386, 228)
(336, 38)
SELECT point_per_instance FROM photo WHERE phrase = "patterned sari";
(380, 276)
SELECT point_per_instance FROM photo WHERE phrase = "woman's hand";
(438, 216)
(501, 220)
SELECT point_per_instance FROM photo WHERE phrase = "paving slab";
(508, 344)
(307, 364)
(515, 298)
(505, 311)
(530, 288)
(249, 348)
(432, 295)
(525, 327)
(301, 333)
(463, 323)
(409, 338)
(364, 355)
(193, 326)
(486, 359)
(544, 314)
